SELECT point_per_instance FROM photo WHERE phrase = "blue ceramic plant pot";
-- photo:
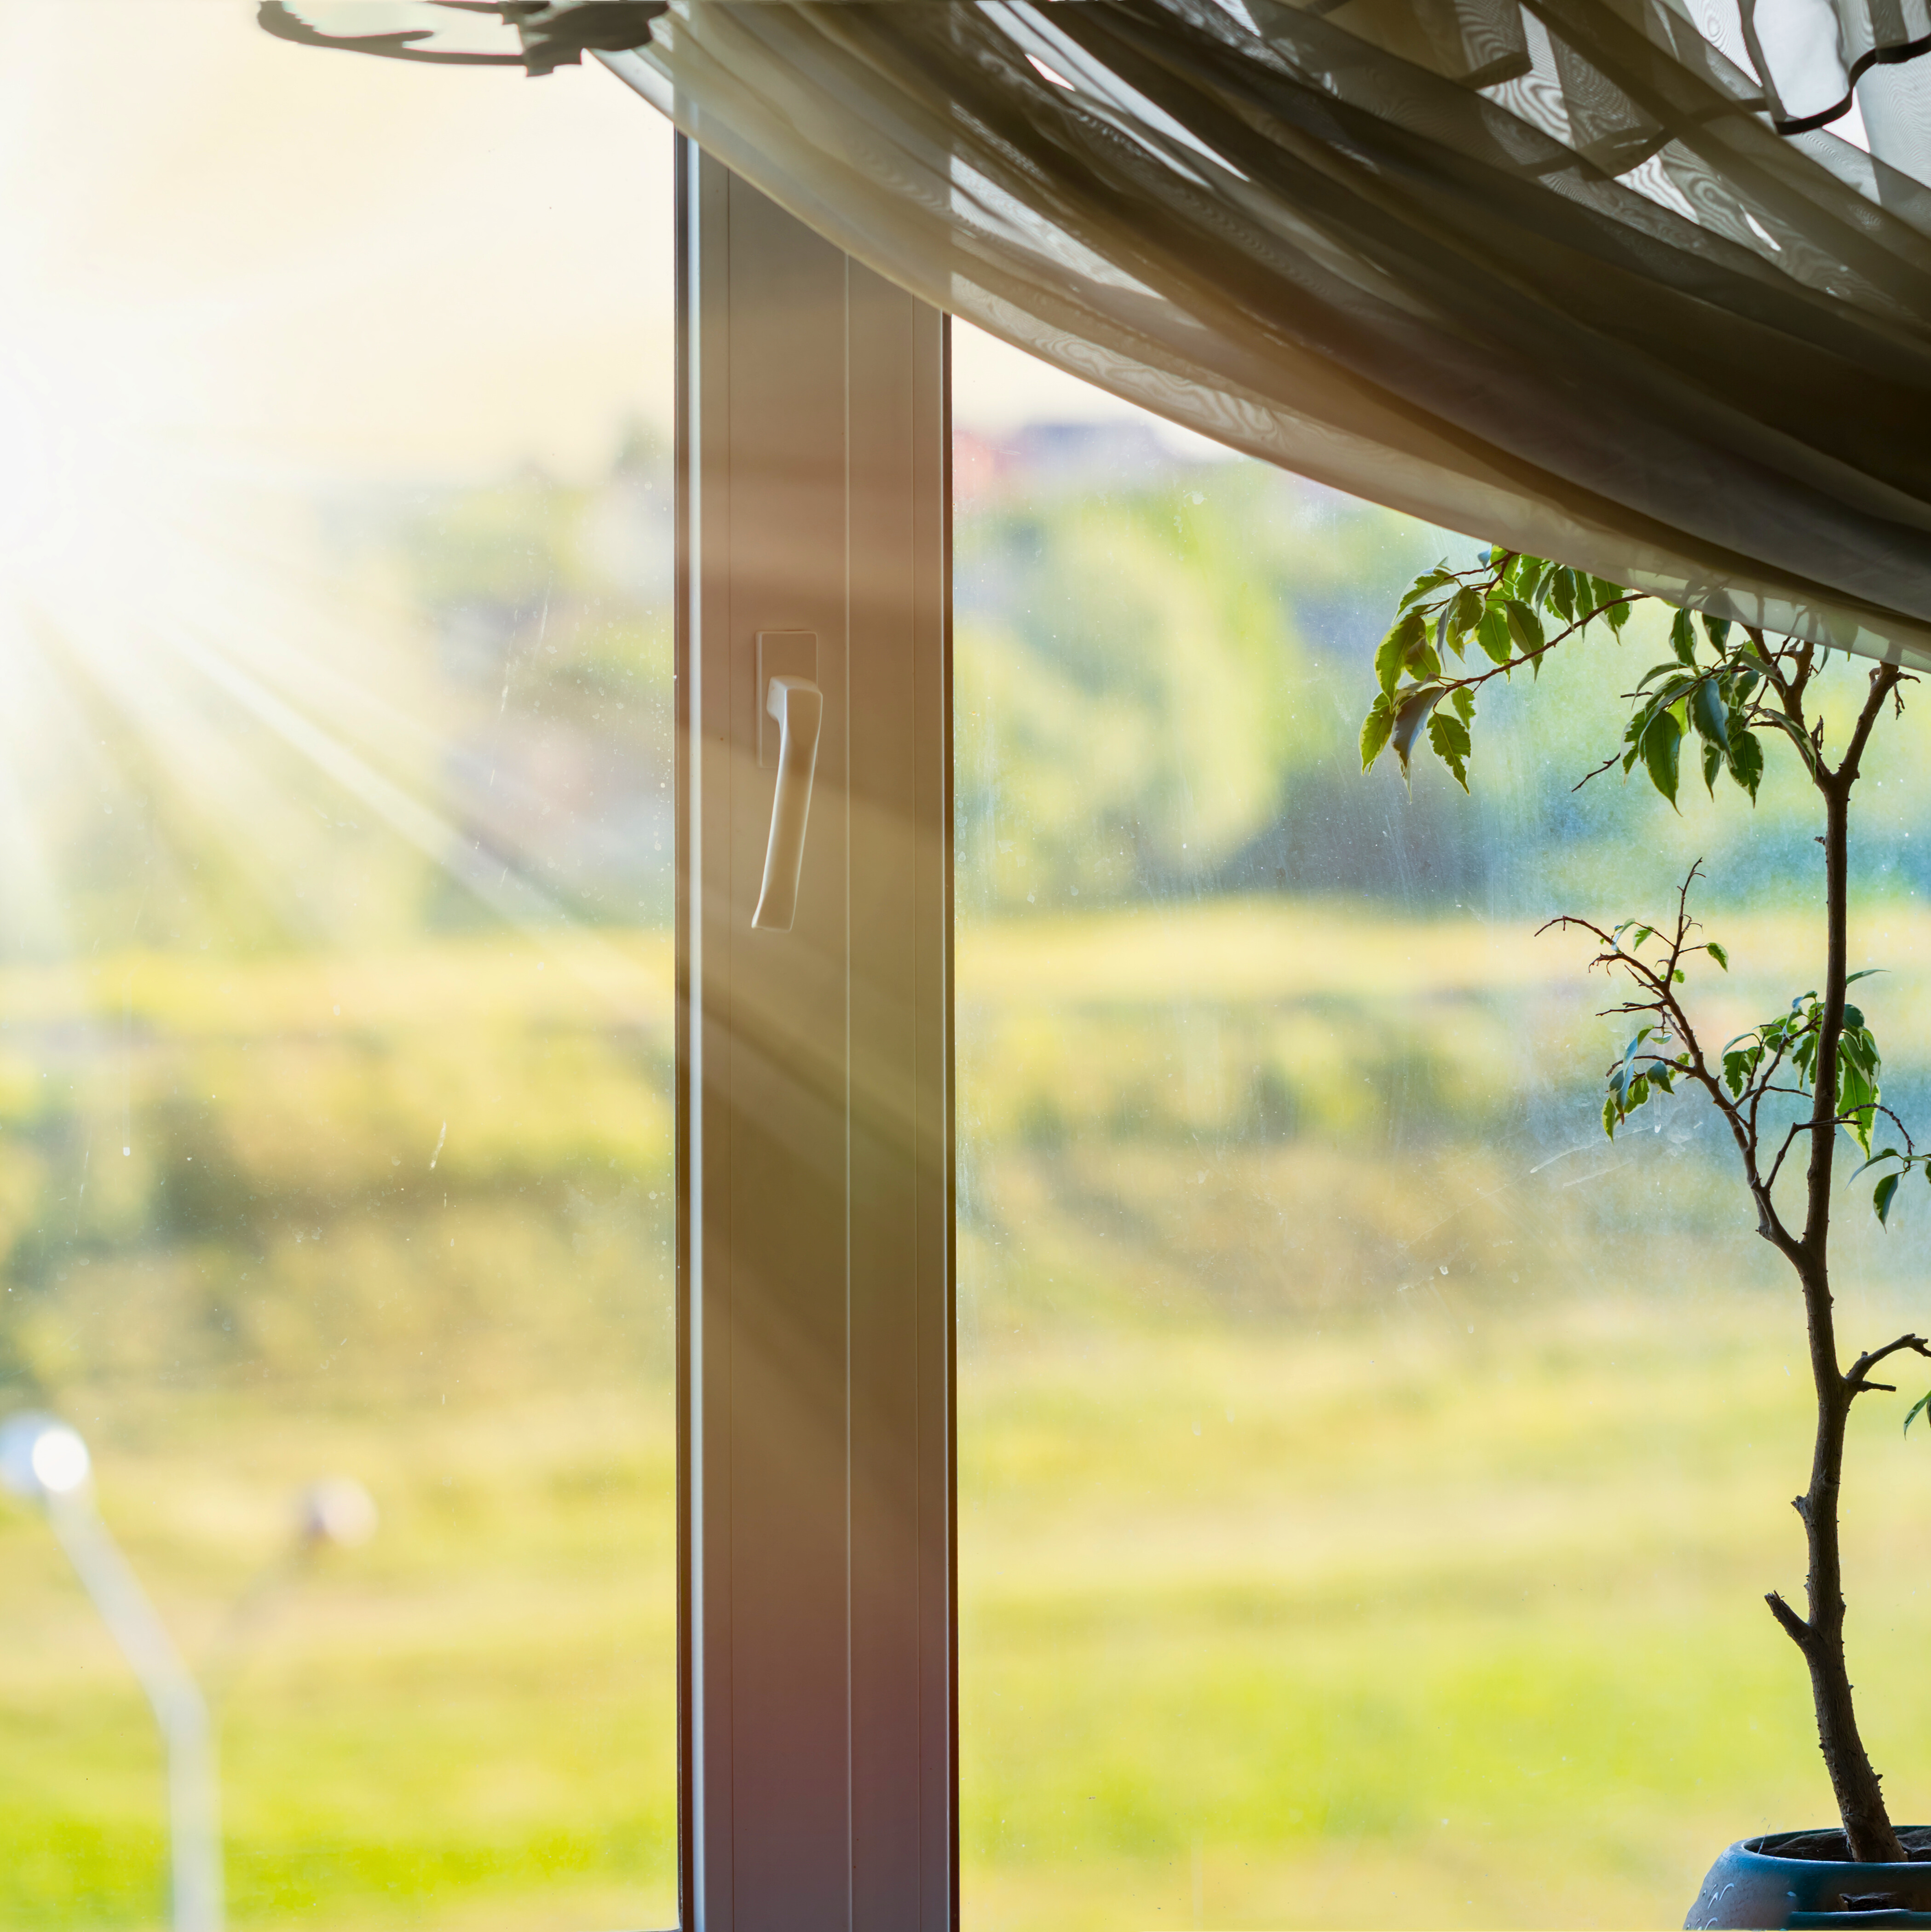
(1804, 1878)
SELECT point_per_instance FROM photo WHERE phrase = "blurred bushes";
(1161, 669)
(450, 1190)
(1134, 671)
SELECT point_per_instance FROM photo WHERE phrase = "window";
(645, 1386)
(336, 1011)
(815, 1094)
(1369, 1474)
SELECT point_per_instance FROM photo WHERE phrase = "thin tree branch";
(1855, 1382)
(1884, 682)
(1608, 764)
(1657, 986)
(1776, 1166)
(1480, 678)
(1793, 695)
(1798, 1631)
(1836, 787)
(1843, 1120)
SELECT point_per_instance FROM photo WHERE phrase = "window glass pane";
(1369, 1475)
(335, 558)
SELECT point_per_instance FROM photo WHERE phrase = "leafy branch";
(1504, 604)
(1777, 1057)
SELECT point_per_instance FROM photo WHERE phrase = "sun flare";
(232, 381)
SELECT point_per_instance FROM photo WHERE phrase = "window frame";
(817, 1753)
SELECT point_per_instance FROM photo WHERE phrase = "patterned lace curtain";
(1642, 285)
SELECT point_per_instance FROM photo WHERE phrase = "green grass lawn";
(1349, 1535)
(1410, 1628)
(1510, 1580)
(1369, 1477)
(467, 1722)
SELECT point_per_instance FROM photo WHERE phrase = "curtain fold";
(1544, 272)
(1642, 285)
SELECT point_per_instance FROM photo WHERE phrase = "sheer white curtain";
(1644, 285)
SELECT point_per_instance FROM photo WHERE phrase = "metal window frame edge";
(754, 1851)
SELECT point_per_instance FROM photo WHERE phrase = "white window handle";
(798, 705)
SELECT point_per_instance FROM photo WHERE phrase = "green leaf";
(1449, 736)
(1492, 634)
(1858, 1054)
(1682, 638)
(1561, 591)
(1464, 701)
(1746, 761)
(1413, 715)
(1717, 953)
(1857, 1099)
(1889, 1154)
(1710, 716)
(1524, 626)
(1881, 1196)
(1716, 629)
(1468, 608)
(1428, 581)
(1667, 697)
(1713, 763)
(1409, 630)
(1918, 1407)
(1624, 1079)
(1863, 972)
(1794, 732)
(1374, 729)
(1662, 744)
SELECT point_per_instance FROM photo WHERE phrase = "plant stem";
(1855, 1784)
(1820, 1636)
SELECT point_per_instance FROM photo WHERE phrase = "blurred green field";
(403, 1217)
(1370, 1477)
(466, 1723)
(1348, 1536)
(1414, 1627)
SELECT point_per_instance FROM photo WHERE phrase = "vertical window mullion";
(815, 1092)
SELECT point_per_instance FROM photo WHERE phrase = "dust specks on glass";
(335, 987)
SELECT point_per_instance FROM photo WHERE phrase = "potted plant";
(1786, 1089)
